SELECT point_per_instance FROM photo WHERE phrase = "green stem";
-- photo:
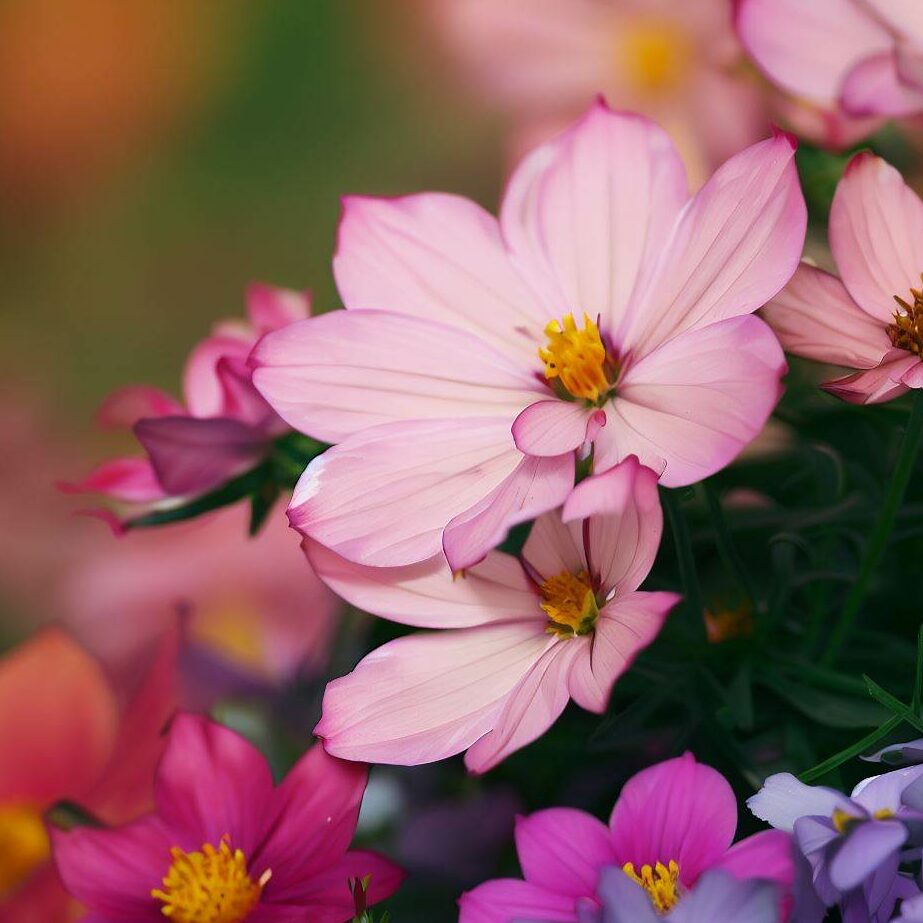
(860, 746)
(685, 559)
(910, 445)
(726, 547)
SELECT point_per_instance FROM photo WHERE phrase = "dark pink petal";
(269, 307)
(128, 405)
(555, 427)
(201, 386)
(131, 480)
(242, 401)
(677, 810)
(563, 850)
(765, 855)
(507, 899)
(876, 86)
(883, 383)
(212, 783)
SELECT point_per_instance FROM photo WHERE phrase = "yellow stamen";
(209, 886)
(570, 604)
(907, 330)
(577, 358)
(654, 55)
(660, 881)
(23, 844)
(843, 820)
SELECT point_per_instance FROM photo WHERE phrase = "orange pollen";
(660, 881)
(577, 359)
(23, 844)
(907, 330)
(570, 604)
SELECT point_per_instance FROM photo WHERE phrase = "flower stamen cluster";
(570, 604)
(907, 330)
(661, 882)
(577, 359)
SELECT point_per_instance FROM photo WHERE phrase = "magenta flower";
(475, 356)
(224, 429)
(871, 318)
(525, 637)
(672, 823)
(224, 844)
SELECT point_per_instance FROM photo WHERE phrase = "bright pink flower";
(871, 318)
(526, 636)
(849, 59)
(451, 425)
(671, 823)
(281, 853)
(225, 427)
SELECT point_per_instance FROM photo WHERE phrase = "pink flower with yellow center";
(525, 635)
(871, 317)
(605, 309)
(225, 844)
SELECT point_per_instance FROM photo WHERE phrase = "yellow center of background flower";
(577, 358)
(209, 886)
(23, 844)
(570, 604)
(907, 330)
(660, 881)
(654, 55)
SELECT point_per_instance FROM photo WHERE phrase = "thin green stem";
(726, 547)
(685, 559)
(881, 532)
(860, 746)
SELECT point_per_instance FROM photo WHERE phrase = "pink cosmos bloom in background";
(476, 356)
(281, 854)
(672, 822)
(65, 733)
(224, 429)
(543, 60)
(850, 61)
(871, 318)
(526, 636)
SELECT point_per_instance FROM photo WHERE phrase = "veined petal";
(767, 855)
(554, 427)
(882, 383)
(506, 899)
(429, 695)
(342, 372)
(876, 86)
(783, 799)
(555, 546)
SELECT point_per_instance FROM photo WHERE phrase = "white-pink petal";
(882, 383)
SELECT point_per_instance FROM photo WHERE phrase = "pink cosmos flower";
(476, 356)
(543, 60)
(525, 636)
(871, 318)
(224, 429)
(851, 61)
(672, 822)
(281, 854)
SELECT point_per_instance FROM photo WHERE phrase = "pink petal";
(427, 594)
(625, 523)
(808, 48)
(345, 371)
(910, 63)
(269, 307)
(201, 386)
(430, 695)
(875, 86)
(876, 234)
(815, 317)
(766, 855)
(905, 16)
(555, 427)
(506, 899)
(131, 480)
(128, 405)
(913, 377)
(438, 257)
(563, 850)
(676, 810)
(696, 401)
(535, 486)
(554, 546)
(734, 247)
(242, 401)
(882, 383)
(531, 707)
(590, 212)
(212, 783)
(384, 496)
(625, 627)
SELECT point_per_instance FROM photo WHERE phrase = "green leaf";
(894, 705)
(824, 707)
(860, 746)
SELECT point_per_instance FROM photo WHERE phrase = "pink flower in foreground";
(526, 636)
(476, 356)
(871, 318)
(671, 823)
(225, 427)
(280, 854)
(848, 59)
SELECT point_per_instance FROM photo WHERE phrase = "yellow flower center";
(843, 820)
(23, 844)
(570, 604)
(907, 330)
(577, 359)
(654, 55)
(660, 881)
(209, 886)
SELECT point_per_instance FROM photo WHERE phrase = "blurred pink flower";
(846, 63)
(457, 395)
(281, 852)
(671, 823)
(544, 60)
(526, 636)
(871, 318)
(225, 427)
(65, 734)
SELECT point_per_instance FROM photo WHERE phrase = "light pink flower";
(224, 428)
(451, 425)
(525, 636)
(281, 852)
(871, 318)
(851, 60)
(671, 823)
